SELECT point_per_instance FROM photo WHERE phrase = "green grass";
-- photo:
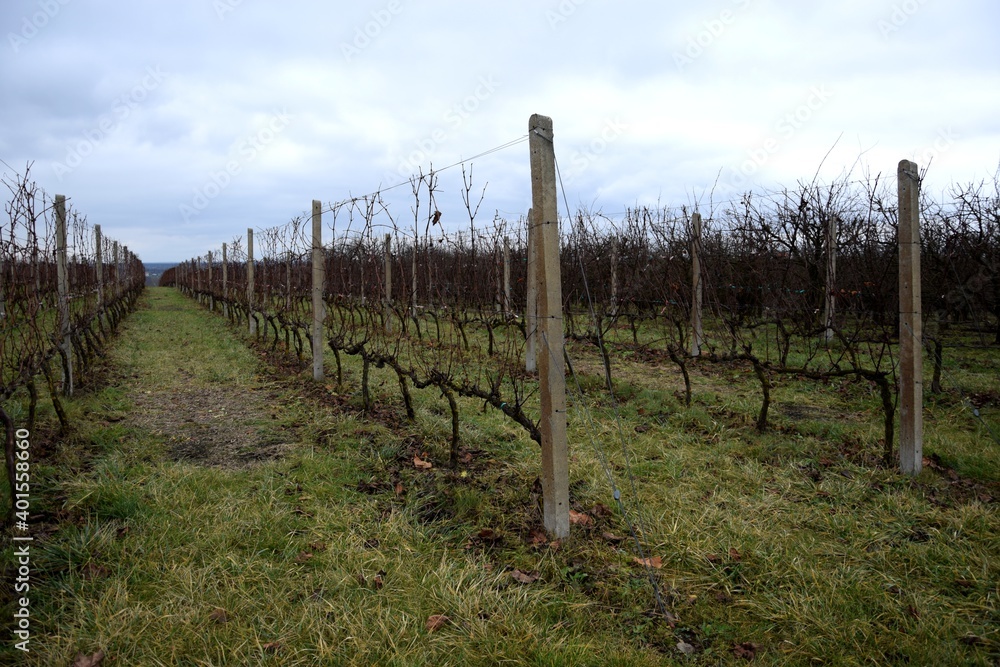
(790, 545)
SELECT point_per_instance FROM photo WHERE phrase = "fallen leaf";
(555, 545)
(378, 581)
(746, 650)
(735, 555)
(436, 622)
(579, 518)
(601, 510)
(723, 597)
(317, 546)
(303, 557)
(612, 538)
(420, 464)
(399, 489)
(685, 648)
(713, 558)
(219, 616)
(271, 647)
(92, 661)
(538, 537)
(524, 577)
(655, 562)
(488, 535)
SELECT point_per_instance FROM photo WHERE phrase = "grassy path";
(222, 518)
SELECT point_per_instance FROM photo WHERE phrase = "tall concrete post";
(551, 367)
(62, 278)
(911, 386)
(318, 279)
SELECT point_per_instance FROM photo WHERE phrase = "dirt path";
(198, 387)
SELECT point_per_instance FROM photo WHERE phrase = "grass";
(789, 546)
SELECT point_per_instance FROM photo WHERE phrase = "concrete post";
(697, 289)
(250, 285)
(911, 385)
(62, 278)
(531, 305)
(388, 283)
(551, 367)
(318, 278)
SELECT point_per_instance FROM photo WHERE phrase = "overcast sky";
(178, 124)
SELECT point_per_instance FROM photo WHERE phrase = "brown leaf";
(82, 660)
(399, 489)
(420, 464)
(219, 616)
(612, 538)
(436, 622)
(271, 647)
(378, 581)
(580, 518)
(538, 537)
(488, 535)
(654, 561)
(746, 650)
(713, 558)
(723, 597)
(735, 555)
(317, 546)
(601, 510)
(523, 577)
(303, 557)
(555, 545)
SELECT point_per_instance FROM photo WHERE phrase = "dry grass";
(787, 547)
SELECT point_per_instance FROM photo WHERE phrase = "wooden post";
(830, 303)
(551, 373)
(911, 385)
(99, 268)
(225, 280)
(250, 299)
(318, 278)
(697, 288)
(388, 283)
(531, 305)
(63, 282)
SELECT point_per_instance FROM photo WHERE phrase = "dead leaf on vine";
(420, 464)
(82, 660)
(655, 562)
(523, 577)
(436, 622)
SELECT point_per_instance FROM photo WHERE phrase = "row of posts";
(118, 254)
(544, 316)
